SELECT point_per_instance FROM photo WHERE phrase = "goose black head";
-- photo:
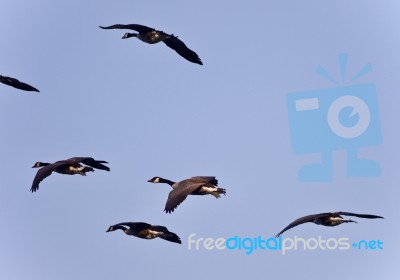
(111, 228)
(40, 164)
(155, 180)
(129, 35)
(115, 227)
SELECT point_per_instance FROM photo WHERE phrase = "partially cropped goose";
(146, 231)
(70, 166)
(199, 185)
(151, 36)
(17, 84)
(327, 219)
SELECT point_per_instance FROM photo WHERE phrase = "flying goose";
(146, 231)
(199, 185)
(17, 84)
(70, 166)
(151, 36)
(327, 219)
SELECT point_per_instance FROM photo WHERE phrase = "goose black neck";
(166, 181)
(119, 227)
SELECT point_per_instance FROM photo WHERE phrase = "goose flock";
(197, 185)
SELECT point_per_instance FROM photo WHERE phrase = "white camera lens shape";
(359, 107)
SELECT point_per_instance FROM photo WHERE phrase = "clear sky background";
(149, 112)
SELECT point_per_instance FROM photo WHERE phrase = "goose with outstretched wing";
(152, 36)
(327, 219)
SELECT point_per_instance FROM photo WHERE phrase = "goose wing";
(90, 162)
(302, 220)
(17, 84)
(137, 27)
(167, 235)
(172, 237)
(45, 172)
(179, 194)
(160, 229)
(177, 45)
(367, 216)
(206, 179)
(137, 226)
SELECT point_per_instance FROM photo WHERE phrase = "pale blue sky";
(151, 113)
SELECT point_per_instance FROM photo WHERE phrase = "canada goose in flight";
(327, 219)
(151, 36)
(70, 166)
(199, 185)
(146, 231)
(17, 84)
